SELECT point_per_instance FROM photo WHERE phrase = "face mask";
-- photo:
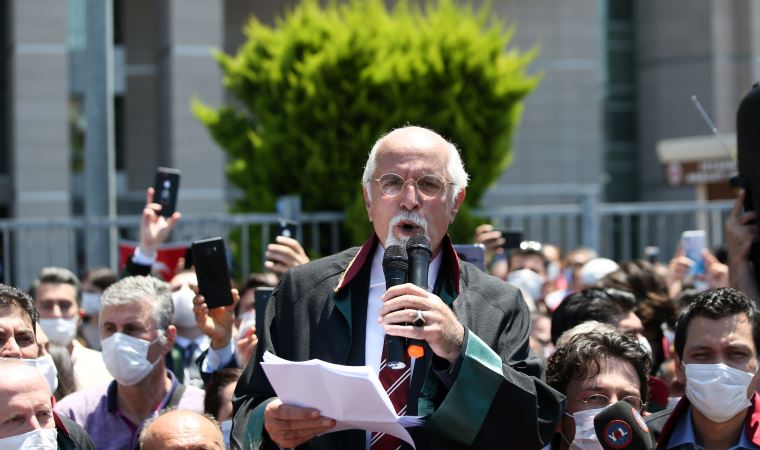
(91, 334)
(226, 430)
(585, 435)
(91, 303)
(36, 439)
(183, 307)
(126, 358)
(61, 331)
(529, 280)
(553, 271)
(247, 321)
(644, 343)
(718, 405)
(45, 366)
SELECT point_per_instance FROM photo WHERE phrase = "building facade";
(617, 78)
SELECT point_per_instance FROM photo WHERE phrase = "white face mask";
(61, 331)
(226, 430)
(718, 405)
(126, 358)
(91, 334)
(42, 439)
(247, 321)
(644, 343)
(529, 280)
(45, 366)
(183, 307)
(553, 270)
(91, 303)
(585, 435)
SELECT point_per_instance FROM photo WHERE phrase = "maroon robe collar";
(365, 256)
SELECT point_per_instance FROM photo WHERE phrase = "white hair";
(135, 289)
(454, 166)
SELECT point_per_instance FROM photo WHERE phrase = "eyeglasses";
(595, 401)
(428, 186)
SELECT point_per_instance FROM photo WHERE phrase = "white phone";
(693, 242)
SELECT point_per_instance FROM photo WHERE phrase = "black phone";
(261, 295)
(210, 259)
(166, 188)
(287, 228)
(512, 239)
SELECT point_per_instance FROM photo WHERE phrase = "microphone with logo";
(395, 266)
(620, 426)
(419, 250)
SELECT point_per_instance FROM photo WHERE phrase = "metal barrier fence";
(30, 244)
(617, 230)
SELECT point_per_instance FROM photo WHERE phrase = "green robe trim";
(254, 430)
(463, 411)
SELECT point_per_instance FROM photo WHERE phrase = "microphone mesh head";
(395, 258)
(419, 245)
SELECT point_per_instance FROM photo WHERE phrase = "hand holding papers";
(352, 395)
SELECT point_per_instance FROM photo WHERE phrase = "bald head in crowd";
(25, 400)
(181, 429)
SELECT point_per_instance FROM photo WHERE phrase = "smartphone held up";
(166, 187)
(210, 259)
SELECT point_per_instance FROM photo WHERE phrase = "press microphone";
(620, 427)
(419, 250)
(748, 156)
(395, 266)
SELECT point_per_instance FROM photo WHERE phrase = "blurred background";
(611, 151)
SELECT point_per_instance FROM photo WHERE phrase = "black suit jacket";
(496, 400)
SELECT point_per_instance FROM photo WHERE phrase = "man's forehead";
(184, 278)
(13, 316)
(60, 289)
(130, 312)
(608, 368)
(708, 331)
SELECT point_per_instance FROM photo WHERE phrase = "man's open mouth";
(407, 227)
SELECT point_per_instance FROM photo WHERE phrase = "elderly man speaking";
(475, 385)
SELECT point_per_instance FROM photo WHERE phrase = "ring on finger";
(419, 319)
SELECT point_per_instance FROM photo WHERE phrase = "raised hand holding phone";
(166, 189)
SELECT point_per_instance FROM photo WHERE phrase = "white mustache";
(404, 216)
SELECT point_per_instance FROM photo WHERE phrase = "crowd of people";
(522, 355)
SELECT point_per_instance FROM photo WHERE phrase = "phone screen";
(512, 238)
(166, 188)
(693, 242)
(210, 259)
(472, 253)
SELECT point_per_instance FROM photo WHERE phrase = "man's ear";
(171, 336)
(457, 203)
(367, 201)
(680, 372)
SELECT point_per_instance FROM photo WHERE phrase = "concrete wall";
(560, 139)
(39, 145)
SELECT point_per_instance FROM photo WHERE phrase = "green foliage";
(320, 87)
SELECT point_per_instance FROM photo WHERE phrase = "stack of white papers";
(352, 395)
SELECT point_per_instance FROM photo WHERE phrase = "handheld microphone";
(419, 250)
(748, 154)
(395, 266)
(619, 426)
